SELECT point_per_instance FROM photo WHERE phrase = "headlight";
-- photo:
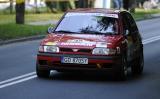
(104, 51)
(50, 49)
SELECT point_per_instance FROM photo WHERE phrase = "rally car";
(93, 40)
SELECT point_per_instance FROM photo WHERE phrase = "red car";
(92, 39)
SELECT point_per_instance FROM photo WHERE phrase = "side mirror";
(50, 29)
(126, 33)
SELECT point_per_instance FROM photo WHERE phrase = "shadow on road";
(92, 77)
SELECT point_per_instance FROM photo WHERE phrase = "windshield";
(88, 23)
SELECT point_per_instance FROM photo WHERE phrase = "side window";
(126, 24)
(132, 23)
(132, 27)
(129, 23)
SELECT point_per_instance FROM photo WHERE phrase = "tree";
(72, 4)
(36, 6)
(20, 9)
(126, 4)
(11, 6)
(132, 6)
(83, 3)
(129, 5)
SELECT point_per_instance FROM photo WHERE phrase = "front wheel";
(138, 64)
(121, 73)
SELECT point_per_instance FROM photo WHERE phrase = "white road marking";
(16, 78)
(18, 81)
(33, 75)
(152, 39)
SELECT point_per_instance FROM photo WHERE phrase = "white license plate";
(74, 60)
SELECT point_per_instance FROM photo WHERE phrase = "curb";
(31, 38)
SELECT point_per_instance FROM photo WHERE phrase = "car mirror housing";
(50, 29)
(126, 33)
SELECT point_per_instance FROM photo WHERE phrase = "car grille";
(79, 50)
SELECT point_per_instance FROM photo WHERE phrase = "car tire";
(42, 73)
(138, 64)
(122, 72)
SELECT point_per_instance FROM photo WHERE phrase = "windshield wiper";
(96, 32)
(91, 32)
(110, 33)
(65, 31)
(107, 33)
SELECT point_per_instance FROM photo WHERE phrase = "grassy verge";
(42, 17)
(7, 18)
(141, 13)
(12, 31)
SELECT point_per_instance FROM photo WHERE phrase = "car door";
(130, 31)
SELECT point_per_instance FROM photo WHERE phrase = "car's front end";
(72, 52)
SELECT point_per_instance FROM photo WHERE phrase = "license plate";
(74, 60)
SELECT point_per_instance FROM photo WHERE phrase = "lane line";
(18, 81)
(152, 39)
(33, 75)
(18, 77)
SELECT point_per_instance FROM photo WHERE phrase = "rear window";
(89, 23)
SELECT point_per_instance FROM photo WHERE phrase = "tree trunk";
(36, 6)
(129, 5)
(72, 4)
(132, 6)
(11, 6)
(126, 4)
(20, 9)
(83, 3)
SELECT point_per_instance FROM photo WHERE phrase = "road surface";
(19, 81)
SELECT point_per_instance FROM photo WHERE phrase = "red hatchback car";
(92, 39)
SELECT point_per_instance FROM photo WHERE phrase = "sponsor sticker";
(101, 44)
(51, 43)
(91, 14)
(78, 42)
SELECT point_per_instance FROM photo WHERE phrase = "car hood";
(81, 40)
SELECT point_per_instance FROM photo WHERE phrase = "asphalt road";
(18, 79)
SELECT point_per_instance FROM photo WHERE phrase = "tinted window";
(132, 23)
(129, 23)
(89, 23)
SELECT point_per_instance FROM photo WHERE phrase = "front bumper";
(53, 62)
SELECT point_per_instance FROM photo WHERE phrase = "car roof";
(95, 10)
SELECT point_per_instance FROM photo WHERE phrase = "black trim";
(79, 56)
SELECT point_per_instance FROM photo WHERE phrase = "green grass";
(7, 18)
(12, 31)
(141, 13)
(42, 17)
